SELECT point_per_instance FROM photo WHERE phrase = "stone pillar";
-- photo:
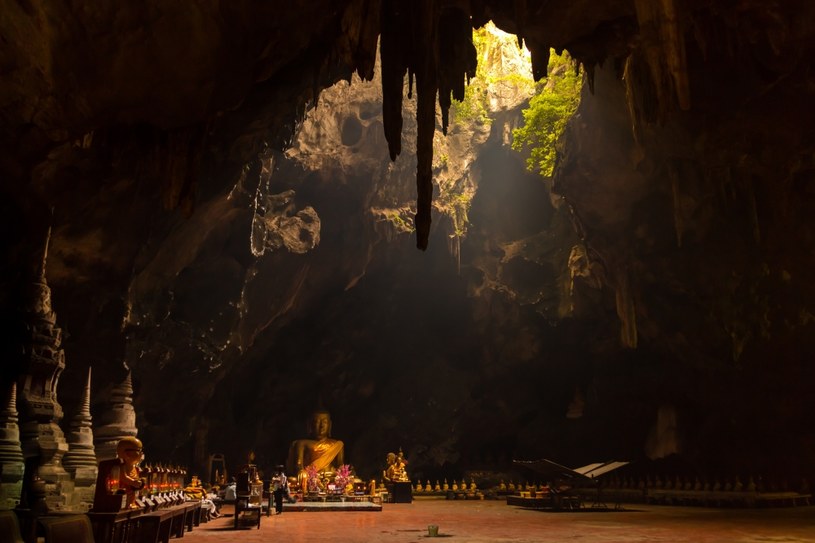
(117, 421)
(42, 361)
(80, 461)
(12, 464)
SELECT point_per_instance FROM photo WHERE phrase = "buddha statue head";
(319, 425)
(130, 450)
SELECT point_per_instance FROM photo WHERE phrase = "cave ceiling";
(676, 231)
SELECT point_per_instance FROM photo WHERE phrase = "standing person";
(280, 488)
(230, 492)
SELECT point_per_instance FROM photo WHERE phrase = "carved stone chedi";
(11, 453)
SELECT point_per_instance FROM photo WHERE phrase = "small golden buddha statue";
(130, 451)
(194, 490)
(395, 471)
(427, 487)
(445, 487)
(437, 488)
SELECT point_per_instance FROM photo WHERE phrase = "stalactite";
(363, 28)
(589, 68)
(626, 311)
(409, 43)
(426, 87)
(394, 66)
(664, 50)
(630, 100)
(674, 51)
(540, 60)
(647, 17)
(457, 58)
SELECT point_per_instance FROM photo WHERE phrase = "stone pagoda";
(42, 362)
(12, 464)
(80, 461)
(118, 420)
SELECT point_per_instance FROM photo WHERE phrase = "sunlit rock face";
(668, 268)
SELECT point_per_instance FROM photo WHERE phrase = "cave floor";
(491, 521)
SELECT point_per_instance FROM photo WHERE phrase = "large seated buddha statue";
(318, 453)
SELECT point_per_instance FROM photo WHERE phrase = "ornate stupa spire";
(12, 464)
(117, 421)
(80, 460)
(42, 361)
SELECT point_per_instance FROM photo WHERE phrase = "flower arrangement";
(343, 477)
(313, 482)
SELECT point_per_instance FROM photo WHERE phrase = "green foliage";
(545, 119)
(475, 106)
(399, 221)
(457, 205)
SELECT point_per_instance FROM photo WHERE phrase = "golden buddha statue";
(396, 471)
(194, 490)
(129, 451)
(118, 479)
(318, 453)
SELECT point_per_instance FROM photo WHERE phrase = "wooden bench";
(162, 524)
(74, 528)
(113, 527)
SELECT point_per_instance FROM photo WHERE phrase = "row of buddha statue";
(122, 483)
(445, 487)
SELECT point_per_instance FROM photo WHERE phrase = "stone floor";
(494, 521)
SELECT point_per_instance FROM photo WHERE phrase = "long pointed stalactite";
(457, 58)
(394, 65)
(435, 45)
(426, 88)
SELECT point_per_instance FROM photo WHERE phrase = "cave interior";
(214, 210)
